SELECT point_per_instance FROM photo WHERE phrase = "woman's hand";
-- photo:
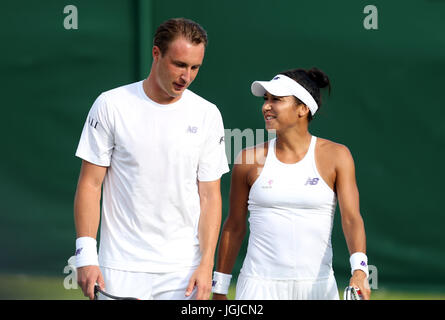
(359, 280)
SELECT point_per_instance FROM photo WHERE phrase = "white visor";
(282, 86)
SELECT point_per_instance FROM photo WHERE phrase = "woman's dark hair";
(312, 80)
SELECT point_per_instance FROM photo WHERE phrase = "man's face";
(177, 67)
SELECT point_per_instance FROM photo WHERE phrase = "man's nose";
(186, 75)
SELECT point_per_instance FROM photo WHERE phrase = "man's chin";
(175, 93)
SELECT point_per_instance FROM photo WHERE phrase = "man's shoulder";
(199, 101)
(119, 98)
(126, 90)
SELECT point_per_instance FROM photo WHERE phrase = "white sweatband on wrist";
(359, 261)
(221, 282)
(86, 252)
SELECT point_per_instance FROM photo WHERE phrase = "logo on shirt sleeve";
(93, 122)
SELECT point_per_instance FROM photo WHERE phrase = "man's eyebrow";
(179, 62)
(184, 64)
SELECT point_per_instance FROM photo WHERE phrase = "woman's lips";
(269, 117)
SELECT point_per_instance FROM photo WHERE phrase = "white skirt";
(252, 288)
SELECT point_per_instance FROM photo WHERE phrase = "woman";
(291, 189)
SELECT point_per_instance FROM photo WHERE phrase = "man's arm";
(86, 219)
(208, 232)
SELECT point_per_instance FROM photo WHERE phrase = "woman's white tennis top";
(291, 217)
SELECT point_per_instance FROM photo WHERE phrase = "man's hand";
(201, 278)
(360, 281)
(217, 296)
(87, 277)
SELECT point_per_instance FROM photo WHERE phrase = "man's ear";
(156, 53)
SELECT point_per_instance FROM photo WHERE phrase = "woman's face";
(280, 113)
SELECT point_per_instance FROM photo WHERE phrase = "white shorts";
(251, 288)
(147, 286)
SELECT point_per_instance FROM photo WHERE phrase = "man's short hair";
(179, 27)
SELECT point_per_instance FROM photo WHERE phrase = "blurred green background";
(386, 105)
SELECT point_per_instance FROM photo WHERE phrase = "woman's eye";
(272, 98)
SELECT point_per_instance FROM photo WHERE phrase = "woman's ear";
(303, 110)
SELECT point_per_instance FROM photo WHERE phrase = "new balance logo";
(192, 129)
(269, 186)
(78, 251)
(311, 182)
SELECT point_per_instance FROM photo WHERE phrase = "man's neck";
(155, 93)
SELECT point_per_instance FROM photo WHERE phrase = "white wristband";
(359, 261)
(221, 282)
(86, 252)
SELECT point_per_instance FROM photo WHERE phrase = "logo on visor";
(276, 78)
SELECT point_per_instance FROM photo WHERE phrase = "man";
(158, 150)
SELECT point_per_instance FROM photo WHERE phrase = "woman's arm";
(352, 222)
(234, 229)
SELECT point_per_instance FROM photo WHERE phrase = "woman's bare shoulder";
(253, 155)
(334, 151)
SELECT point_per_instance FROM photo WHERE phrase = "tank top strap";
(271, 157)
(311, 150)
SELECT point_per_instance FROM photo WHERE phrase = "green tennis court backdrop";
(386, 105)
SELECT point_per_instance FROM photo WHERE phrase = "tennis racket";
(98, 290)
(352, 293)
